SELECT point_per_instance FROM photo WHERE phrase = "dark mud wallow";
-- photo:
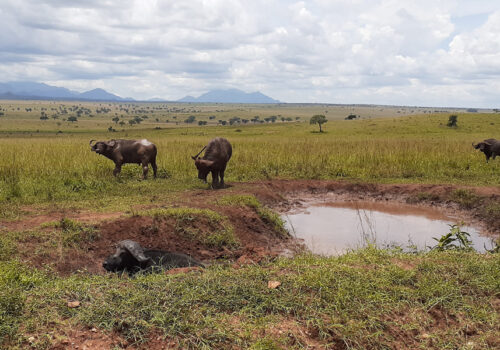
(236, 233)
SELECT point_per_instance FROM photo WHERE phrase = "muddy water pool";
(334, 228)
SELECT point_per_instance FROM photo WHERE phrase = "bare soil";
(258, 238)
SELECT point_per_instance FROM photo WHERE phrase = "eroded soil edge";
(255, 235)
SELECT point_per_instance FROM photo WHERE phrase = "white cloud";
(339, 51)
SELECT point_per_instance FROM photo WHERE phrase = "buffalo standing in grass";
(122, 152)
(130, 257)
(217, 154)
(490, 148)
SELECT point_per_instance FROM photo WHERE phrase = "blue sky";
(402, 52)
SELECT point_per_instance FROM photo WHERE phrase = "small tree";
(234, 120)
(190, 119)
(452, 121)
(72, 119)
(116, 120)
(318, 119)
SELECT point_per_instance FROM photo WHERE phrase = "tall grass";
(409, 149)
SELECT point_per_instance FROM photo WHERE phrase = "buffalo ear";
(208, 163)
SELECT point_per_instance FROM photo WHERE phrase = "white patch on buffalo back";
(145, 142)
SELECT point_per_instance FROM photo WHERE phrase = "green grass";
(221, 232)
(41, 168)
(361, 299)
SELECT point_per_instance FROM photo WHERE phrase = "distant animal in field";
(217, 154)
(131, 257)
(490, 148)
(122, 152)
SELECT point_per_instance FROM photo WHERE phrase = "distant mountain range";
(41, 91)
(31, 90)
(230, 96)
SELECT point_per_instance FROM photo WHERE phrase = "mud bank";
(479, 206)
(243, 235)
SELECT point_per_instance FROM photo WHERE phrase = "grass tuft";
(73, 232)
(465, 198)
(221, 231)
(266, 214)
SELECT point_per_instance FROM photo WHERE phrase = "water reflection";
(333, 228)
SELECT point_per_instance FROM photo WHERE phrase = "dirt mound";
(232, 233)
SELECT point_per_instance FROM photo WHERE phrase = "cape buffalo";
(132, 258)
(217, 154)
(490, 148)
(127, 151)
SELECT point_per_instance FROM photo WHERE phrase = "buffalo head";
(102, 147)
(204, 167)
(128, 255)
(485, 145)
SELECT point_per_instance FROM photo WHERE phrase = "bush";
(452, 121)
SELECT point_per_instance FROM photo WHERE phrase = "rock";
(73, 304)
(273, 284)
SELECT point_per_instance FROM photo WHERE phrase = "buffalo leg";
(145, 169)
(221, 178)
(215, 179)
(118, 168)
(153, 165)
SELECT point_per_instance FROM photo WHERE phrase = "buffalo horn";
(133, 248)
(196, 156)
(90, 143)
(473, 145)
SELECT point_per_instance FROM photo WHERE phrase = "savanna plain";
(62, 211)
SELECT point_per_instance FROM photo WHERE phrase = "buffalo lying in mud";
(127, 151)
(217, 154)
(130, 257)
(490, 148)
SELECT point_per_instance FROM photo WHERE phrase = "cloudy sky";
(405, 52)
